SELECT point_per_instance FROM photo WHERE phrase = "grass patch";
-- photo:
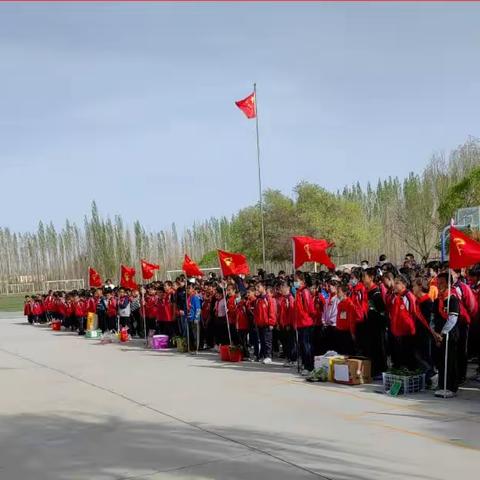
(11, 303)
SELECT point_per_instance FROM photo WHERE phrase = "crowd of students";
(398, 318)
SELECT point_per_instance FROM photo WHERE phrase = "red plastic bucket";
(57, 326)
(124, 335)
(229, 355)
(224, 352)
(236, 356)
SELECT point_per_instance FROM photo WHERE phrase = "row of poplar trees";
(393, 217)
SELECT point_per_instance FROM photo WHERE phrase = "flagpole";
(446, 336)
(142, 311)
(225, 300)
(296, 329)
(259, 178)
(226, 312)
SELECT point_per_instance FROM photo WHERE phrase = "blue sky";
(132, 105)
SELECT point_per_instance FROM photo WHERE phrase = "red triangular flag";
(148, 269)
(308, 249)
(94, 279)
(233, 263)
(464, 250)
(190, 268)
(127, 279)
(248, 106)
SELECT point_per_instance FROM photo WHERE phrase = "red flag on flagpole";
(464, 250)
(308, 249)
(233, 263)
(127, 279)
(94, 279)
(148, 269)
(190, 268)
(248, 106)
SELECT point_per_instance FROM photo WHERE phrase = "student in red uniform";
(468, 301)
(232, 297)
(48, 306)
(220, 320)
(388, 281)
(69, 320)
(376, 323)
(346, 321)
(27, 308)
(80, 312)
(358, 294)
(61, 308)
(423, 330)
(264, 316)
(474, 334)
(166, 314)
(208, 313)
(151, 307)
(318, 334)
(253, 335)
(242, 325)
(402, 325)
(285, 320)
(37, 309)
(111, 302)
(303, 321)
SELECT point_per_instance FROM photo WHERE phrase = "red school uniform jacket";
(304, 308)
(347, 316)
(319, 303)
(48, 303)
(152, 303)
(37, 308)
(468, 301)
(27, 308)
(241, 315)
(112, 307)
(80, 308)
(92, 305)
(232, 310)
(264, 311)
(285, 310)
(165, 310)
(359, 298)
(62, 307)
(206, 308)
(403, 314)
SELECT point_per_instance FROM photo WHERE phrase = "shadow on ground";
(102, 447)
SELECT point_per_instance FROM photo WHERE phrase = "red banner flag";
(308, 249)
(248, 106)
(464, 250)
(94, 279)
(233, 263)
(127, 279)
(190, 268)
(148, 269)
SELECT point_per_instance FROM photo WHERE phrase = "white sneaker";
(267, 361)
(445, 394)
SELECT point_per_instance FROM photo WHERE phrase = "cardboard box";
(358, 370)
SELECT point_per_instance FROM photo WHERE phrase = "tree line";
(392, 217)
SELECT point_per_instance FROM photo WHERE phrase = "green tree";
(465, 193)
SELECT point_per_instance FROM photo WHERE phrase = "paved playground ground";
(74, 409)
